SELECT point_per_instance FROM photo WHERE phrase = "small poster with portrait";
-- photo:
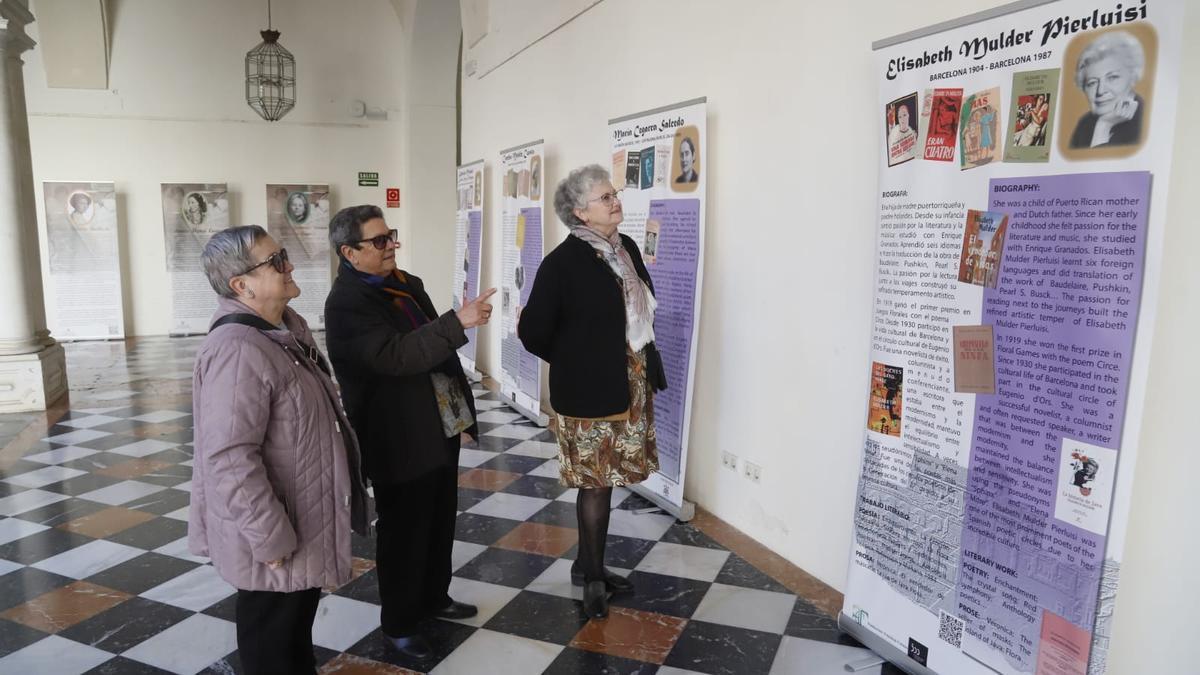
(979, 128)
(192, 213)
(1034, 96)
(298, 218)
(901, 128)
(83, 287)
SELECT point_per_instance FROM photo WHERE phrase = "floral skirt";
(604, 453)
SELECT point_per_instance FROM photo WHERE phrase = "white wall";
(790, 244)
(175, 111)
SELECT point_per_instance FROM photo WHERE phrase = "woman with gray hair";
(276, 480)
(591, 317)
(1107, 71)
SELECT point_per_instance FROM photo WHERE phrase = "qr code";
(950, 629)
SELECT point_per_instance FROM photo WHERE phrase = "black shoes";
(457, 610)
(615, 583)
(413, 646)
(595, 600)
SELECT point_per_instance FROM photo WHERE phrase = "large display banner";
(1023, 166)
(522, 205)
(83, 294)
(298, 218)
(192, 212)
(468, 248)
(659, 165)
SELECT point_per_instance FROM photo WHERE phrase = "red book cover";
(942, 134)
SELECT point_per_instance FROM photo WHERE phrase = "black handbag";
(655, 375)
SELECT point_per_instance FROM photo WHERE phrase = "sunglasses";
(278, 260)
(380, 242)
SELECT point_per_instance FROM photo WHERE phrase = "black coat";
(1128, 132)
(575, 321)
(383, 367)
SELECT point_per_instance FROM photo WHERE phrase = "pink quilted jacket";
(276, 472)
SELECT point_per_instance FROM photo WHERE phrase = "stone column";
(33, 371)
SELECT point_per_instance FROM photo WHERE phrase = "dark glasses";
(380, 242)
(277, 260)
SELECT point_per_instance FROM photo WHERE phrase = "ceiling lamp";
(270, 76)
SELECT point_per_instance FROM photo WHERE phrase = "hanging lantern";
(270, 76)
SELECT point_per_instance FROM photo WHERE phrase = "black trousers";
(414, 539)
(274, 631)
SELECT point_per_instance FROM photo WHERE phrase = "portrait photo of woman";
(195, 209)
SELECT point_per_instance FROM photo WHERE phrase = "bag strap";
(254, 321)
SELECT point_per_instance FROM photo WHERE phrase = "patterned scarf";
(639, 302)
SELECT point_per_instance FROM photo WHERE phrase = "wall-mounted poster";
(468, 240)
(192, 213)
(521, 254)
(663, 201)
(298, 218)
(1014, 306)
(83, 294)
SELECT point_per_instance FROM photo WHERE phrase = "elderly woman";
(1107, 71)
(591, 317)
(411, 406)
(276, 484)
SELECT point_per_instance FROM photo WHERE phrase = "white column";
(32, 365)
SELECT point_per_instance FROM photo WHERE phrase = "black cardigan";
(575, 321)
(383, 367)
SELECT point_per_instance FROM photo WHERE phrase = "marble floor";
(95, 576)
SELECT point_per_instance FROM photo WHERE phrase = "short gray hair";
(573, 191)
(227, 254)
(345, 229)
(1119, 44)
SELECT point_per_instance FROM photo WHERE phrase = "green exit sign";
(368, 179)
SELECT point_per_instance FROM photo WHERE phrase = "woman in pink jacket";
(277, 483)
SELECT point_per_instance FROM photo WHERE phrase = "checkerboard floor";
(95, 576)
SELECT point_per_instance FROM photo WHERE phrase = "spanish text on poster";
(659, 160)
(298, 219)
(83, 290)
(522, 205)
(1015, 283)
(468, 247)
(192, 213)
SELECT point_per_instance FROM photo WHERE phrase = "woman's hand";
(1122, 112)
(476, 312)
(276, 564)
(465, 438)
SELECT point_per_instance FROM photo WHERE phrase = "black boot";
(595, 600)
(614, 582)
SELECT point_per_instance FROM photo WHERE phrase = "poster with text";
(468, 240)
(192, 213)
(1015, 290)
(522, 205)
(83, 289)
(298, 219)
(663, 199)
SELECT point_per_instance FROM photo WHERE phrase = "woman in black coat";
(590, 315)
(410, 404)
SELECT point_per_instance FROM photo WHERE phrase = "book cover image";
(1030, 116)
(974, 359)
(886, 409)
(618, 167)
(647, 178)
(983, 245)
(900, 129)
(633, 169)
(941, 135)
(979, 128)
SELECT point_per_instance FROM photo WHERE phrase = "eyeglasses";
(277, 260)
(380, 242)
(607, 198)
